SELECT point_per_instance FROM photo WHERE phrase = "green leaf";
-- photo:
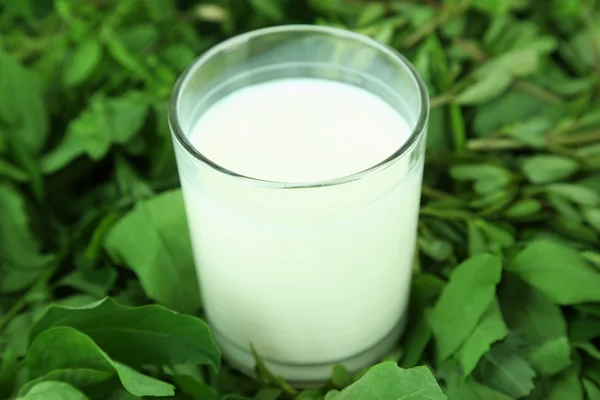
(105, 121)
(531, 132)
(523, 209)
(340, 377)
(496, 6)
(18, 245)
(65, 354)
(549, 168)
(386, 381)
(585, 43)
(464, 300)
(477, 243)
(192, 387)
(25, 159)
(119, 49)
(16, 333)
(129, 182)
(540, 324)
(592, 215)
(566, 386)
(95, 247)
(96, 282)
(578, 194)
(268, 394)
(22, 108)
(424, 292)
(153, 240)
(496, 234)
(472, 390)
(583, 328)
(558, 271)
(550, 357)
(271, 9)
(565, 208)
(588, 348)
(264, 375)
(9, 171)
(513, 107)
(435, 248)
(491, 328)
(160, 10)
(488, 178)
(9, 368)
(370, 14)
(520, 62)
(506, 372)
(486, 88)
(138, 335)
(53, 391)
(310, 394)
(591, 389)
(83, 62)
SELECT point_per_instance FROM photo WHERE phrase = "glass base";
(308, 375)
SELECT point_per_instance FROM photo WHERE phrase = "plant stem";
(511, 144)
(537, 91)
(459, 132)
(471, 49)
(445, 214)
(44, 277)
(494, 144)
(587, 16)
(434, 193)
(432, 25)
(577, 139)
(441, 100)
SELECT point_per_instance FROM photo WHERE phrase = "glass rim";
(197, 64)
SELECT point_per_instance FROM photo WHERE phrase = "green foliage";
(50, 390)
(505, 300)
(68, 355)
(388, 381)
(152, 239)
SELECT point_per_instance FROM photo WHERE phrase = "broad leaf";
(539, 323)
(578, 194)
(505, 371)
(22, 109)
(472, 390)
(105, 121)
(566, 386)
(65, 354)
(425, 291)
(84, 60)
(153, 240)
(340, 377)
(388, 381)
(491, 328)
(464, 300)
(18, 246)
(558, 271)
(549, 168)
(486, 88)
(52, 390)
(137, 335)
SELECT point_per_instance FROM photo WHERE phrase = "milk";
(309, 274)
(300, 130)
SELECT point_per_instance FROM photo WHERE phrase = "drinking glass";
(310, 274)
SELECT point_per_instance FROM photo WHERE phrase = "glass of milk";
(300, 152)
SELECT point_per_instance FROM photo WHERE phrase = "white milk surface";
(300, 130)
(309, 276)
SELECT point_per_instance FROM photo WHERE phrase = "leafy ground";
(506, 294)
